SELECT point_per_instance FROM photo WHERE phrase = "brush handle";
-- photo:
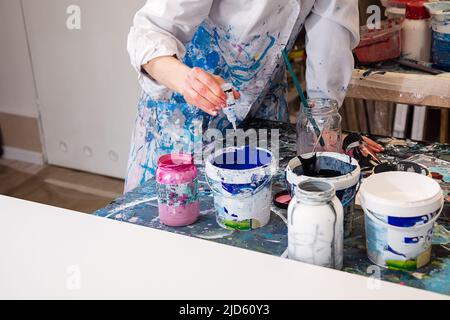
(302, 98)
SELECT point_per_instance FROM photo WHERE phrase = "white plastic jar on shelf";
(416, 34)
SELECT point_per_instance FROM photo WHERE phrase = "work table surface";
(140, 207)
(53, 253)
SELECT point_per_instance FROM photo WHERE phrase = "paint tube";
(230, 109)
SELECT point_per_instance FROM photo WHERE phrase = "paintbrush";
(420, 65)
(302, 97)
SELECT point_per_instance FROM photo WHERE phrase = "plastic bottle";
(416, 42)
(230, 109)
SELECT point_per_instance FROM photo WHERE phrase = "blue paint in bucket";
(243, 159)
(240, 179)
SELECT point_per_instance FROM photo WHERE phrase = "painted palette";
(140, 207)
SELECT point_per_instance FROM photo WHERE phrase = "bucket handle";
(356, 192)
(373, 218)
(216, 191)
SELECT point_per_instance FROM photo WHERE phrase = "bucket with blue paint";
(342, 171)
(400, 209)
(241, 181)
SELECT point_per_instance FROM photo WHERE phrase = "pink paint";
(177, 190)
(179, 216)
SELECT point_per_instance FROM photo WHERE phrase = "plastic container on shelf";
(416, 33)
(380, 44)
(395, 13)
(396, 9)
(440, 11)
(441, 44)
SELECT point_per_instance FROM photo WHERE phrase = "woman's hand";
(201, 89)
(198, 87)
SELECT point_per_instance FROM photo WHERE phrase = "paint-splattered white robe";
(241, 41)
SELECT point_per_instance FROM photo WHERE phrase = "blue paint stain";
(412, 240)
(202, 38)
(404, 222)
(256, 62)
(395, 252)
(236, 189)
(203, 41)
(212, 59)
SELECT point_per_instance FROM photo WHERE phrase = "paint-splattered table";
(140, 207)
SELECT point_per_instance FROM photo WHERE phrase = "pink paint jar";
(177, 185)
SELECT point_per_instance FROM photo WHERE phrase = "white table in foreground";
(47, 252)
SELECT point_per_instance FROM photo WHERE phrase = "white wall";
(87, 89)
(17, 93)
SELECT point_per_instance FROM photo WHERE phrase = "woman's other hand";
(198, 87)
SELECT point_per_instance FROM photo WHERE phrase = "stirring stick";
(302, 97)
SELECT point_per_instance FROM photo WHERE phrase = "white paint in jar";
(316, 225)
(416, 33)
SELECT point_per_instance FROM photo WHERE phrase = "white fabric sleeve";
(332, 32)
(162, 28)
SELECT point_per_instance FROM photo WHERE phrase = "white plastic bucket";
(400, 211)
(345, 185)
(241, 187)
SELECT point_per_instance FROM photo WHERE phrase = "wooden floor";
(57, 186)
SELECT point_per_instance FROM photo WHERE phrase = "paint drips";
(240, 179)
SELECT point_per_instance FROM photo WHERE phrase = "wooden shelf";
(407, 88)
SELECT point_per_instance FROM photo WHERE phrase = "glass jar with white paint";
(319, 127)
(316, 225)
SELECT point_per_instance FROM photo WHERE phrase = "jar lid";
(176, 168)
(315, 191)
(175, 160)
(417, 11)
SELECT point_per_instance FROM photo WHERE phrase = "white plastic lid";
(401, 194)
